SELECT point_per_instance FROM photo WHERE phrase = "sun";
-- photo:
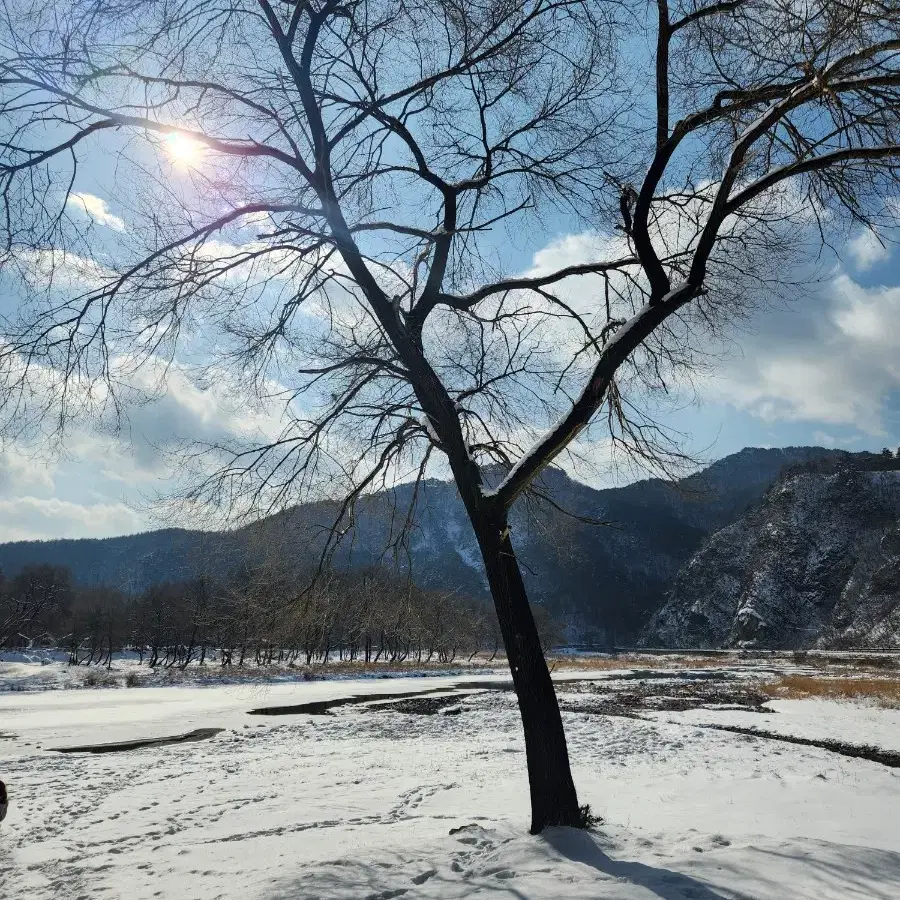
(183, 150)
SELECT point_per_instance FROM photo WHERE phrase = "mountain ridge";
(598, 580)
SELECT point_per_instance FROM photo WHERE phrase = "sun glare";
(183, 150)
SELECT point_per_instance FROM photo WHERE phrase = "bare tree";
(386, 152)
(32, 602)
(98, 625)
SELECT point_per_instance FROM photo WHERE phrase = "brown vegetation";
(883, 691)
(563, 663)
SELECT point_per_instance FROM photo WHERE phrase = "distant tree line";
(250, 617)
(886, 461)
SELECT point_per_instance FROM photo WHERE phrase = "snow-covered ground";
(373, 805)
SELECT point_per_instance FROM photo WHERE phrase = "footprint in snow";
(499, 872)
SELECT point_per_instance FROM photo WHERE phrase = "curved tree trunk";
(553, 797)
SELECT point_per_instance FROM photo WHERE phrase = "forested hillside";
(603, 582)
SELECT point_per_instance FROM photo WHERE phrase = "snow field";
(361, 803)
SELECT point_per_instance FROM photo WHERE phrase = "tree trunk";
(553, 797)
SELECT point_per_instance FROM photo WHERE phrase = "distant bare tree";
(98, 626)
(385, 152)
(32, 603)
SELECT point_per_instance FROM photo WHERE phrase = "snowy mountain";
(598, 579)
(815, 564)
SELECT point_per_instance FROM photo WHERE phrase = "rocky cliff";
(815, 564)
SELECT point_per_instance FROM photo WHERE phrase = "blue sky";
(821, 371)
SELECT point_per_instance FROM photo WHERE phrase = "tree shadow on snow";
(581, 847)
(394, 876)
(389, 881)
(357, 880)
(823, 868)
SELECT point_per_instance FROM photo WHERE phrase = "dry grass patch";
(630, 661)
(864, 662)
(883, 691)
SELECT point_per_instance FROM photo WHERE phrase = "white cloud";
(824, 439)
(840, 371)
(62, 270)
(868, 316)
(21, 471)
(575, 249)
(33, 518)
(810, 389)
(183, 411)
(95, 208)
(77, 490)
(867, 249)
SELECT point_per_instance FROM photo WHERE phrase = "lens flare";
(183, 150)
